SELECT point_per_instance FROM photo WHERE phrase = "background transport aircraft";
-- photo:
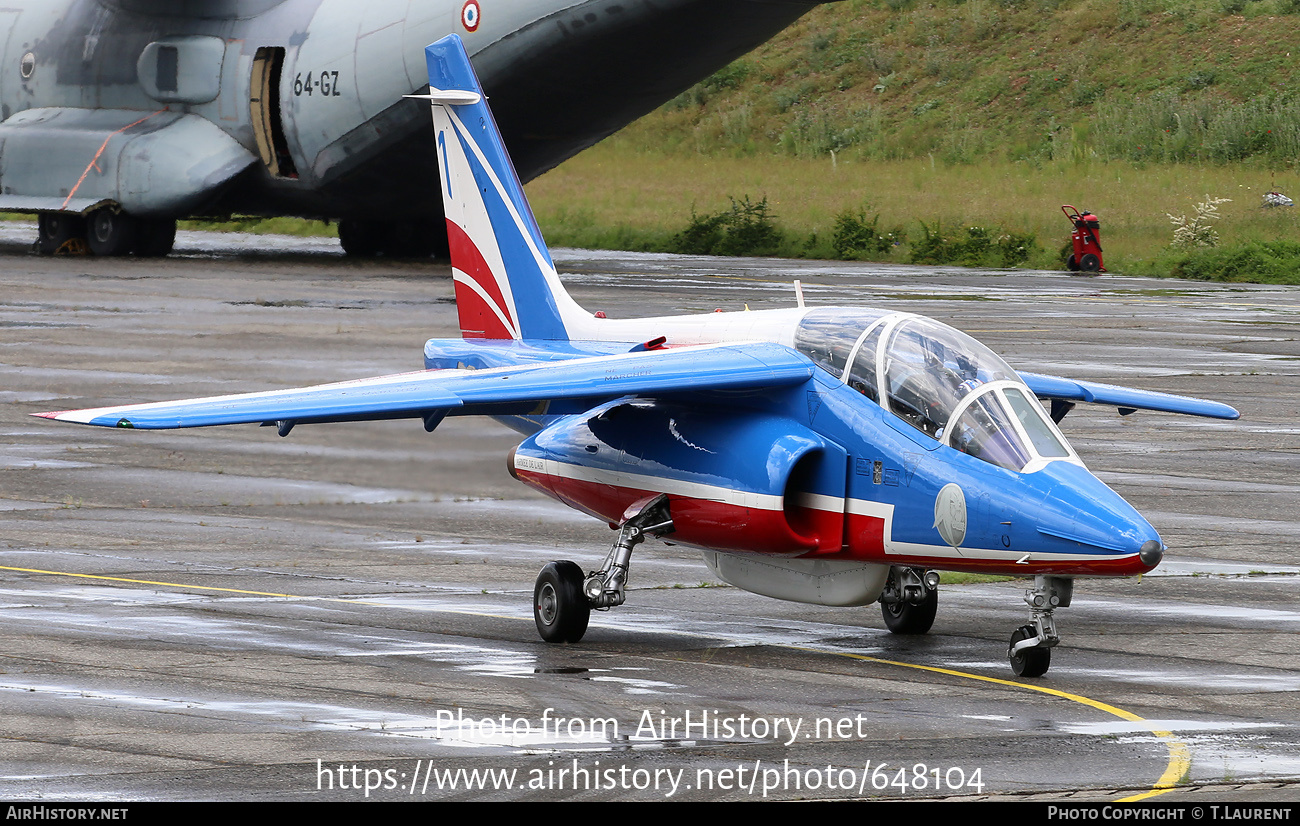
(120, 116)
(834, 456)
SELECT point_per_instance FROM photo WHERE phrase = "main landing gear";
(559, 606)
(1031, 645)
(563, 598)
(106, 231)
(394, 238)
(910, 600)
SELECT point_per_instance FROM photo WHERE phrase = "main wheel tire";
(1031, 662)
(109, 232)
(362, 239)
(906, 618)
(155, 237)
(560, 608)
(1090, 263)
(410, 239)
(60, 232)
(1071, 263)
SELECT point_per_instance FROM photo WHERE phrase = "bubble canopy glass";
(937, 379)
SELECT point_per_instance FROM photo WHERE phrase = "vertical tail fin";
(506, 284)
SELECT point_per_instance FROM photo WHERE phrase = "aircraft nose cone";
(1152, 552)
(1080, 510)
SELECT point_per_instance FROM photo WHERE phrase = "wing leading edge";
(1055, 387)
(435, 393)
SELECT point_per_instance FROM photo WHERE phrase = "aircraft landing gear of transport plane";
(1031, 645)
(60, 232)
(105, 232)
(563, 599)
(413, 237)
(910, 600)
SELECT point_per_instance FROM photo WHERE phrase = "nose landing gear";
(1030, 650)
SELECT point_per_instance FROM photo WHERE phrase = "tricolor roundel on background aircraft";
(469, 15)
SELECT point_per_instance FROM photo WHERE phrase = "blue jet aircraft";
(833, 456)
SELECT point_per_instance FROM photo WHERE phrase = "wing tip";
(75, 416)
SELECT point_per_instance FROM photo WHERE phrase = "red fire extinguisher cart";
(1086, 238)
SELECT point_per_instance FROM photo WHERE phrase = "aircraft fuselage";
(302, 100)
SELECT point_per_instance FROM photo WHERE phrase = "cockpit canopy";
(937, 379)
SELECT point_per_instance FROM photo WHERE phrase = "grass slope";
(1020, 80)
(970, 113)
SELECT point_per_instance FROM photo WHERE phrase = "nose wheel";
(1032, 661)
(1030, 650)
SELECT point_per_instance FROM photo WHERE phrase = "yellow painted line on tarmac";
(187, 587)
(153, 582)
(1180, 760)
(1179, 755)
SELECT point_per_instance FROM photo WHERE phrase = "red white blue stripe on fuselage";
(739, 521)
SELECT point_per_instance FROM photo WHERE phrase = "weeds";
(981, 247)
(1273, 262)
(728, 77)
(747, 228)
(857, 238)
(1198, 231)
(1123, 65)
(1171, 128)
(282, 225)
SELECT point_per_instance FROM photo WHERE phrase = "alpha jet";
(119, 116)
(833, 456)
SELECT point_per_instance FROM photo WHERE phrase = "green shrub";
(856, 237)
(1270, 262)
(981, 247)
(745, 229)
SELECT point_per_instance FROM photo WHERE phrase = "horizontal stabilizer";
(1056, 387)
(416, 395)
(449, 97)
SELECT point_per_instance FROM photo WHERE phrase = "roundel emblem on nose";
(469, 15)
(950, 514)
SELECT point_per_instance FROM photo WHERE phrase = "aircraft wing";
(1071, 390)
(433, 394)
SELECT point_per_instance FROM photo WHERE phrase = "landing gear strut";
(910, 600)
(563, 599)
(1030, 651)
